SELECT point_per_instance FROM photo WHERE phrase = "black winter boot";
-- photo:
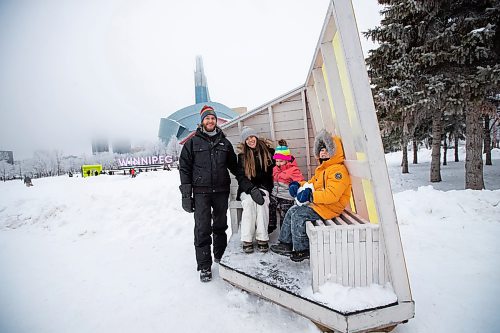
(283, 249)
(298, 256)
(206, 275)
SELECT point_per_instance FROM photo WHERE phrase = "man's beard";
(206, 129)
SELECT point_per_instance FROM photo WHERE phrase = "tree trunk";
(415, 148)
(404, 163)
(445, 150)
(473, 152)
(456, 147)
(487, 139)
(495, 135)
(436, 149)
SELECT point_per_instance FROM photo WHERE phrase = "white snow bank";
(115, 254)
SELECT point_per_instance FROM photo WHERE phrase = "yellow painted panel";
(353, 205)
(370, 201)
(347, 92)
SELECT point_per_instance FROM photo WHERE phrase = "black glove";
(257, 196)
(187, 198)
(188, 204)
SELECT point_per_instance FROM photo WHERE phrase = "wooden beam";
(306, 134)
(359, 169)
(312, 101)
(322, 96)
(313, 311)
(271, 123)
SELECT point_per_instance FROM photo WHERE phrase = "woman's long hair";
(264, 155)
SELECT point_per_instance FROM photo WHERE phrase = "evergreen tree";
(449, 52)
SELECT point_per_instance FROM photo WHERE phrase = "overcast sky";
(72, 69)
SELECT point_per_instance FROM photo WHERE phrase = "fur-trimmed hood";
(332, 143)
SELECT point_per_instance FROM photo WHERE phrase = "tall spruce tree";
(450, 51)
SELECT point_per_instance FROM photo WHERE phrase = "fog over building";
(184, 121)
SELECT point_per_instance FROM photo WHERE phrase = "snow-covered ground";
(115, 254)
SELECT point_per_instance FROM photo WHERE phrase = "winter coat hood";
(331, 180)
(332, 144)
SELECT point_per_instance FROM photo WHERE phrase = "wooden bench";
(347, 250)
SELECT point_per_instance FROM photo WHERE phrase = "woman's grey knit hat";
(247, 132)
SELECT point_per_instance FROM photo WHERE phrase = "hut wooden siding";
(279, 119)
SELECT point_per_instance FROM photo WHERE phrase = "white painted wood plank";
(313, 250)
(271, 124)
(381, 259)
(340, 221)
(355, 216)
(360, 169)
(321, 254)
(357, 259)
(369, 321)
(306, 133)
(316, 312)
(286, 106)
(292, 115)
(323, 102)
(369, 256)
(292, 134)
(312, 101)
(290, 125)
(362, 258)
(349, 219)
(327, 252)
(350, 254)
(333, 255)
(338, 250)
(375, 262)
(345, 259)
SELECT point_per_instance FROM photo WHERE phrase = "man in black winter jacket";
(203, 167)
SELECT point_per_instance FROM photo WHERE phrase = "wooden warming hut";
(361, 248)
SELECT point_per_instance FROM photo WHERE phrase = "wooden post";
(271, 124)
(306, 134)
(322, 96)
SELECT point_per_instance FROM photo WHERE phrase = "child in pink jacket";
(285, 172)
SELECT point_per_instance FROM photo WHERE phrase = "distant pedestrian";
(27, 181)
